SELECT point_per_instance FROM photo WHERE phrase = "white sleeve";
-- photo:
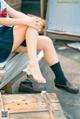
(4, 3)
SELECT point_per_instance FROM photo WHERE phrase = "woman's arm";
(21, 19)
(13, 21)
(31, 22)
(14, 13)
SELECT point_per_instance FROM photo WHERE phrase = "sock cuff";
(55, 65)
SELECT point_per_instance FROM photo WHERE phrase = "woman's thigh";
(18, 36)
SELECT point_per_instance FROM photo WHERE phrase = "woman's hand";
(35, 23)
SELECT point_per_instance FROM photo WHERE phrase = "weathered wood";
(33, 106)
(13, 86)
(69, 37)
(13, 66)
(35, 115)
(1, 102)
(54, 109)
(24, 103)
(49, 105)
(2, 107)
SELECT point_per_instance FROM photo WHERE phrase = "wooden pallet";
(33, 106)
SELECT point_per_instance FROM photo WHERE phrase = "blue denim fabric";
(6, 42)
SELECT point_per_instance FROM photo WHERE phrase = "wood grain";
(33, 106)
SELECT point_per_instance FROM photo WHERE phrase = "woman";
(13, 31)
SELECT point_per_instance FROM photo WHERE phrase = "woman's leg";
(45, 44)
(51, 57)
(19, 36)
(31, 36)
(21, 49)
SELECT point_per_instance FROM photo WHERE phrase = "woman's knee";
(20, 27)
(47, 41)
(44, 42)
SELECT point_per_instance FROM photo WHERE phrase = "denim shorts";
(6, 42)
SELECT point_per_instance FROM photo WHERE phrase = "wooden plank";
(24, 103)
(2, 107)
(34, 106)
(49, 105)
(13, 86)
(1, 102)
(14, 66)
(65, 34)
(56, 36)
(55, 110)
(35, 115)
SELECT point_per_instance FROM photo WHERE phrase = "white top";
(3, 10)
